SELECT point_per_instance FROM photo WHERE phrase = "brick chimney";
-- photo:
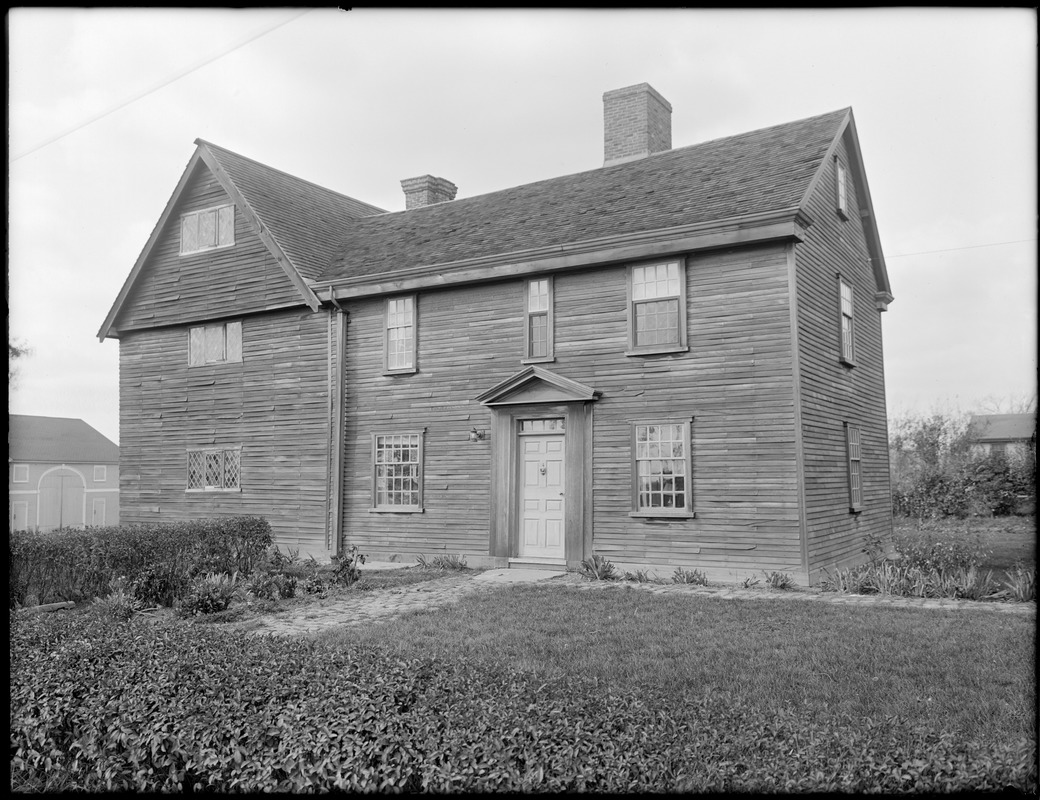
(427, 190)
(637, 122)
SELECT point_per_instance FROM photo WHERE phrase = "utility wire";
(952, 249)
(159, 86)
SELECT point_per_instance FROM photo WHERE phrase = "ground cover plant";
(531, 688)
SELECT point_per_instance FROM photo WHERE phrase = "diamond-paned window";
(214, 469)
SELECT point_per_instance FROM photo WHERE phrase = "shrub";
(779, 580)
(639, 576)
(749, 582)
(450, 561)
(347, 567)
(930, 551)
(118, 606)
(695, 577)
(177, 707)
(1021, 583)
(159, 586)
(597, 568)
(268, 586)
(209, 594)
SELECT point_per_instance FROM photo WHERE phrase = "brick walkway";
(378, 605)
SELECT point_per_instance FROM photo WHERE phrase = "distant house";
(63, 474)
(674, 359)
(1013, 435)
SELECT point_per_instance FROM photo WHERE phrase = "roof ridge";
(211, 145)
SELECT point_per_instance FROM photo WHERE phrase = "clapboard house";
(671, 360)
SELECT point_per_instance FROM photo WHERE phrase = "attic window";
(842, 190)
(207, 229)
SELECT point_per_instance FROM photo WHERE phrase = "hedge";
(139, 706)
(73, 564)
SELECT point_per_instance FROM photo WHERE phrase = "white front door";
(541, 496)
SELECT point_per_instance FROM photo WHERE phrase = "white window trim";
(211, 210)
(390, 509)
(655, 349)
(549, 323)
(16, 473)
(413, 366)
(236, 357)
(205, 451)
(854, 454)
(848, 358)
(100, 473)
(841, 189)
(688, 511)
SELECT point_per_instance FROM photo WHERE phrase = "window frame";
(854, 466)
(846, 341)
(15, 473)
(205, 451)
(420, 463)
(688, 511)
(413, 366)
(236, 357)
(100, 473)
(658, 348)
(215, 211)
(841, 189)
(549, 321)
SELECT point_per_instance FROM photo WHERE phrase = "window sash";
(215, 344)
(842, 184)
(661, 468)
(400, 334)
(214, 470)
(855, 459)
(657, 307)
(848, 331)
(538, 320)
(397, 471)
(207, 229)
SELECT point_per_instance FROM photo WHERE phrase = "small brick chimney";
(637, 121)
(427, 190)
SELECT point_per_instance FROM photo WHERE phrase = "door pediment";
(537, 385)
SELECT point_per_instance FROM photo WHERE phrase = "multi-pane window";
(400, 334)
(214, 469)
(848, 334)
(657, 311)
(841, 189)
(21, 473)
(852, 445)
(207, 229)
(215, 344)
(538, 312)
(397, 471)
(662, 468)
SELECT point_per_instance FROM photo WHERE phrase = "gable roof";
(57, 440)
(297, 220)
(1002, 427)
(733, 181)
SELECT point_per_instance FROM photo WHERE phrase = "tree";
(16, 350)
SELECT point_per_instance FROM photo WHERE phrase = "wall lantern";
(476, 436)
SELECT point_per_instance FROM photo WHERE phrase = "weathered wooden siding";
(735, 381)
(174, 289)
(274, 404)
(833, 393)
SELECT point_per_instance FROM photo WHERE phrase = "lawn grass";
(969, 673)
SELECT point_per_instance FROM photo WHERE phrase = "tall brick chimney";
(427, 190)
(637, 121)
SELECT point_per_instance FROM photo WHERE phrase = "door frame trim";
(505, 496)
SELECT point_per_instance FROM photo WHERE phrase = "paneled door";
(542, 495)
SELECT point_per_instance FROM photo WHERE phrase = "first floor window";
(213, 469)
(852, 445)
(400, 334)
(661, 455)
(207, 229)
(215, 344)
(397, 480)
(657, 307)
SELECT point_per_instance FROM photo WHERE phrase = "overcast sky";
(105, 106)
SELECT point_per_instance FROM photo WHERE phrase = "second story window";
(848, 332)
(207, 229)
(215, 344)
(841, 180)
(399, 337)
(657, 308)
(538, 315)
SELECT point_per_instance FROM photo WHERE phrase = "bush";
(209, 594)
(597, 568)
(695, 577)
(175, 707)
(159, 586)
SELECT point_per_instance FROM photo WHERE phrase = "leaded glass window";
(214, 469)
